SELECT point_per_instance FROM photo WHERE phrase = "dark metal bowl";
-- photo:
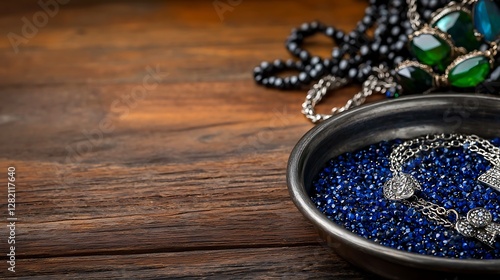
(407, 117)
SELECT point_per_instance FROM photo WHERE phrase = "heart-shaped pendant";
(401, 186)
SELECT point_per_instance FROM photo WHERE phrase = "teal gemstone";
(469, 72)
(430, 50)
(414, 79)
(487, 19)
(459, 25)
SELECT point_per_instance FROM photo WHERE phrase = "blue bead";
(496, 141)
(486, 19)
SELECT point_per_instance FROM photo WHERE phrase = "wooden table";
(142, 147)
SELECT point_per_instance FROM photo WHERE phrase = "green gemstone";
(460, 27)
(414, 79)
(469, 72)
(431, 50)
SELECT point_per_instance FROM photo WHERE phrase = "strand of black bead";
(309, 67)
(265, 74)
(355, 52)
(315, 66)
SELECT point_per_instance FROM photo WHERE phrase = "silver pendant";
(401, 186)
(479, 224)
(491, 178)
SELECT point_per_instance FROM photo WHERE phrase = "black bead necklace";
(355, 52)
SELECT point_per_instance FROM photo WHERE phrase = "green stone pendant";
(452, 33)
(414, 77)
(469, 70)
(432, 47)
(456, 20)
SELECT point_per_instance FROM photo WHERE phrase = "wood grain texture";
(143, 148)
(304, 262)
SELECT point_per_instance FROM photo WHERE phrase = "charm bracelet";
(403, 186)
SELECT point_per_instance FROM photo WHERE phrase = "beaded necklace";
(457, 47)
(355, 52)
(449, 44)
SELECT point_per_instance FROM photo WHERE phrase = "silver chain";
(413, 147)
(437, 213)
(317, 92)
(379, 81)
(413, 15)
(402, 185)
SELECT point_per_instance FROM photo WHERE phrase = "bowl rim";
(302, 201)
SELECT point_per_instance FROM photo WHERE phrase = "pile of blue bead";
(348, 190)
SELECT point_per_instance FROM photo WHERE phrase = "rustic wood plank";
(190, 180)
(211, 120)
(70, 50)
(162, 208)
(305, 262)
(106, 66)
(171, 22)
